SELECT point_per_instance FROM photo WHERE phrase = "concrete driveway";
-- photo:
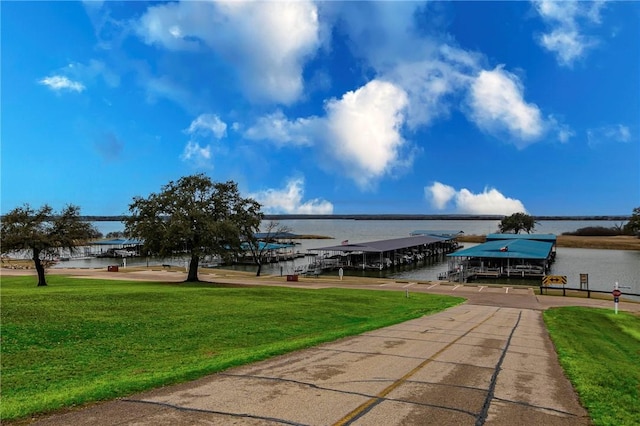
(488, 361)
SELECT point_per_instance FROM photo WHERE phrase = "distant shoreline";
(392, 217)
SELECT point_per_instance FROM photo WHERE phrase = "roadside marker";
(554, 279)
(616, 297)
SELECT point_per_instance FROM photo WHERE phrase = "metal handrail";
(564, 291)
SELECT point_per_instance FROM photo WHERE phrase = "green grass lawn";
(600, 353)
(82, 340)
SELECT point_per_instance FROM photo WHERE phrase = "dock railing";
(464, 274)
(584, 290)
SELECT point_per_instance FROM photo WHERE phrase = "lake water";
(604, 267)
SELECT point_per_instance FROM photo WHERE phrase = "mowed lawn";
(600, 353)
(82, 340)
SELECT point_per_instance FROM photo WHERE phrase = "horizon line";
(390, 216)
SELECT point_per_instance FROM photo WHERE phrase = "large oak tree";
(44, 233)
(517, 222)
(194, 216)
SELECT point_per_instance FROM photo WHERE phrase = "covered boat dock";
(504, 255)
(381, 254)
(115, 247)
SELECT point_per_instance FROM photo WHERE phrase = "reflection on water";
(604, 267)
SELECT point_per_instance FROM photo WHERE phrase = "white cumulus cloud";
(429, 85)
(440, 194)
(267, 42)
(565, 37)
(198, 155)
(59, 83)
(364, 130)
(202, 129)
(568, 45)
(359, 136)
(497, 105)
(489, 202)
(208, 123)
(278, 129)
(289, 200)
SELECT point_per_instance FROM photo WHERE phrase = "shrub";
(595, 231)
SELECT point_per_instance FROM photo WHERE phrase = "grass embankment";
(600, 353)
(82, 340)
(619, 242)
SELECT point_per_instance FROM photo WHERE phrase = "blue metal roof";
(533, 237)
(512, 249)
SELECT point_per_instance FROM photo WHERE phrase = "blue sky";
(328, 107)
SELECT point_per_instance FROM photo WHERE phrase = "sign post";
(584, 281)
(549, 280)
(616, 297)
(554, 279)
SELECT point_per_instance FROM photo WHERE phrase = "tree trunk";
(193, 268)
(259, 268)
(42, 281)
